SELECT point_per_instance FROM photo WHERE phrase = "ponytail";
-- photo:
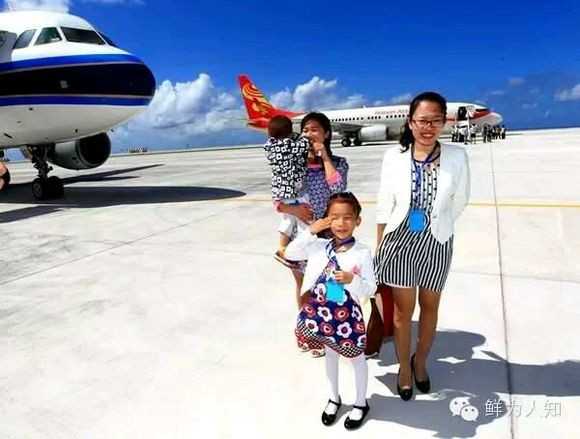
(407, 138)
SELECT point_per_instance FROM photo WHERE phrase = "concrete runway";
(147, 304)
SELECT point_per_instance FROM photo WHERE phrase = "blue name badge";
(335, 292)
(417, 220)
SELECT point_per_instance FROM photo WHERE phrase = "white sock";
(331, 359)
(361, 376)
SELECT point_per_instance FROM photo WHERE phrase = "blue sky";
(522, 58)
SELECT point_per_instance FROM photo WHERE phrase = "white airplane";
(369, 124)
(63, 85)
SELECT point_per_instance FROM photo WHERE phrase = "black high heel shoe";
(351, 424)
(422, 386)
(328, 419)
(405, 394)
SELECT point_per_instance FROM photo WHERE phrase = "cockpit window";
(82, 36)
(108, 40)
(48, 35)
(24, 39)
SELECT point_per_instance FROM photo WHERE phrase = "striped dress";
(415, 259)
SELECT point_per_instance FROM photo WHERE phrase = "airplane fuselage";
(393, 117)
(61, 80)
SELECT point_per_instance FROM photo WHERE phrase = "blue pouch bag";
(335, 291)
(417, 220)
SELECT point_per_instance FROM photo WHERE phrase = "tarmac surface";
(147, 304)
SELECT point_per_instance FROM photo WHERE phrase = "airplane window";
(48, 35)
(108, 40)
(24, 39)
(82, 36)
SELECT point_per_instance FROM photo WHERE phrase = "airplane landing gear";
(44, 187)
(345, 142)
(357, 141)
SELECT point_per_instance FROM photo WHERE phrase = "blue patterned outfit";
(322, 321)
(319, 189)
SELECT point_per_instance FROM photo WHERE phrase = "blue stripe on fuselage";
(73, 100)
(68, 60)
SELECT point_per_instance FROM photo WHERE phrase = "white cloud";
(516, 81)
(402, 99)
(572, 94)
(48, 5)
(283, 99)
(316, 94)
(181, 111)
(497, 92)
(197, 113)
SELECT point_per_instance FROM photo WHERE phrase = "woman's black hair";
(344, 197)
(324, 123)
(407, 138)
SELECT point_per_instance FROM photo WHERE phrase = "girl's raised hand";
(320, 225)
(343, 277)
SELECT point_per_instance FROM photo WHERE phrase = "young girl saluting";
(338, 275)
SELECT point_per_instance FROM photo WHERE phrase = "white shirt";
(453, 189)
(357, 260)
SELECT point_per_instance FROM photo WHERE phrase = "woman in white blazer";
(424, 188)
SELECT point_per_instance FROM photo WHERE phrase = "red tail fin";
(259, 109)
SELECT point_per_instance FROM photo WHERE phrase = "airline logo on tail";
(255, 100)
(259, 109)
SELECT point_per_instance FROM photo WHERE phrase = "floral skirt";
(340, 326)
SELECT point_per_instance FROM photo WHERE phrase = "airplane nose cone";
(134, 80)
(497, 118)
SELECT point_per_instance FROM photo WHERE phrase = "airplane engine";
(90, 152)
(376, 133)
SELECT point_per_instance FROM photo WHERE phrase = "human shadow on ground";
(461, 383)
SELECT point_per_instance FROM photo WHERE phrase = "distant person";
(4, 176)
(424, 188)
(338, 277)
(464, 135)
(484, 134)
(326, 174)
(473, 134)
(286, 153)
(503, 132)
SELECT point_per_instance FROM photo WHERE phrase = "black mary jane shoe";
(351, 424)
(329, 419)
(422, 386)
(405, 394)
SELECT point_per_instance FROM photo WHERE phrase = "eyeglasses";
(424, 123)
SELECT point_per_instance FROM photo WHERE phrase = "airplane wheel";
(345, 142)
(39, 189)
(357, 142)
(47, 189)
(56, 187)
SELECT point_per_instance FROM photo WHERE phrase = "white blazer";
(453, 188)
(357, 259)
